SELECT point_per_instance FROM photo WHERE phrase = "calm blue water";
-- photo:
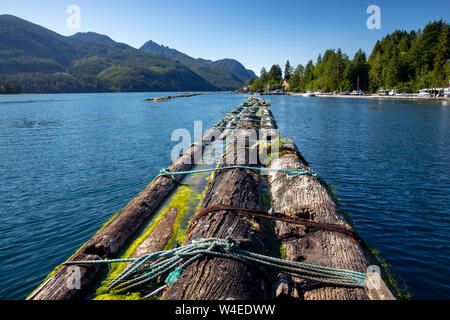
(68, 162)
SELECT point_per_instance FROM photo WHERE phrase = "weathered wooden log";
(108, 242)
(66, 283)
(306, 197)
(162, 233)
(186, 95)
(215, 278)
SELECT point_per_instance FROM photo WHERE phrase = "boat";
(309, 93)
(447, 92)
(383, 92)
(424, 93)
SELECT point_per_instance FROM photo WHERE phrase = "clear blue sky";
(256, 32)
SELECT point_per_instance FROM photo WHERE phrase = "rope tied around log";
(245, 119)
(290, 173)
(150, 267)
(310, 224)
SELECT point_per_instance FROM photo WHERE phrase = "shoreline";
(378, 97)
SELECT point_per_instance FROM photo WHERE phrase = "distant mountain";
(153, 47)
(226, 74)
(40, 60)
(92, 37)
(236, 68)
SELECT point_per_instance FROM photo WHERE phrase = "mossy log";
(160, 236)
(108, 242)
(306, 197)
(213, 278)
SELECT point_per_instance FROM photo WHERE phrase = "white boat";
(447, 92)
(424, 93)
(309, 93)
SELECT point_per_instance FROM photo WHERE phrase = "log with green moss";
(216, 278)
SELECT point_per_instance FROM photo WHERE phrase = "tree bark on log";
(305, 197)
(213, 278)
(62, 284)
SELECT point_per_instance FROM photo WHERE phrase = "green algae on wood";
(186, 199)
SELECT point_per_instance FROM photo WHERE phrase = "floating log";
(186, 95)
(214, 278)
(306, 197)
(62, 285)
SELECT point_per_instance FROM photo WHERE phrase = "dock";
(239, 215)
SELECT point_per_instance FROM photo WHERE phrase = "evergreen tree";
(275, 75)
(287, 71)
(263, 75)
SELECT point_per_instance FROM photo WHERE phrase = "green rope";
(254, 120)
(290, 173)
(230, 118)
(149, 267)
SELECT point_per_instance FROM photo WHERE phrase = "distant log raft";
(186, 95)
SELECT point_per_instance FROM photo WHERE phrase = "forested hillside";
(35, 59)
(407, 61)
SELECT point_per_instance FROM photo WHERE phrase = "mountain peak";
(151, 43)
(91, 37)
(229, 69)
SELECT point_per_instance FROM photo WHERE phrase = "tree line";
(10, 88)
(405, 61)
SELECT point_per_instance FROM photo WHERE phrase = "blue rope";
(290, 173)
